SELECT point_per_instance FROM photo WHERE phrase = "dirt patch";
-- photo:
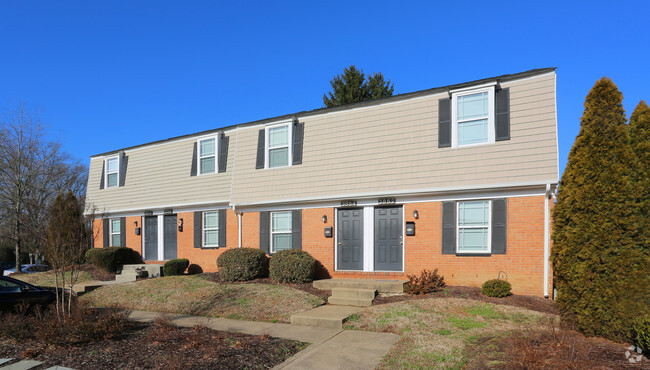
(532, 303)
(97, 273)
(160, 346)
(306, 287)
(553, 348)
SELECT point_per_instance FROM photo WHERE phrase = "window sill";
(473, 254)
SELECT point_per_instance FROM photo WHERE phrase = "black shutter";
(101, 182)
(296, 229)
(122, 231)
(223, 153)
(449, 228)
(499, 224)
(222, 228)
(264, 231)
(444, 123)
(124, 162)
(298, 136)
(198, 219)
(106, 232)
(502, 121)
(193, 170)
(261, 146)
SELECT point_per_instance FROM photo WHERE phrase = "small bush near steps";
(292, 266)
(175, 267)
(243, 264)
(428, 282)
(641, 333)
(496, 288)
(112, 258)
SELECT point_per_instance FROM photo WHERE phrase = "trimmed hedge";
(112, 258)
(242, 264)
(292, 266)
(496, 288)
(175, 267)
(641, 333)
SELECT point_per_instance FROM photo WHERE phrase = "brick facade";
(522, 265)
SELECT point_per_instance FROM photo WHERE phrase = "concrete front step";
(324, 316)
(154, 270)
(354, 293)
(356, 302)
(382, 286)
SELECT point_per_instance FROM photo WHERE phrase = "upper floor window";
(115, 230)
(473, 226)
(112, 171)
(278, 148)
(207, 156)
(210, 229)
(472, 115)
(281, 237)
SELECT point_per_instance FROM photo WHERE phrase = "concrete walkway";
(330, 348)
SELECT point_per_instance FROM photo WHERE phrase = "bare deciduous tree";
(32, 171)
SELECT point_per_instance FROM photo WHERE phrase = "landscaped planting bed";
(158, 346)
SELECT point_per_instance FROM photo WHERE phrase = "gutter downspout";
(547, 227)
(238, 213)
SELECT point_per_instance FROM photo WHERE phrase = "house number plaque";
(384, 201)
(348, 203)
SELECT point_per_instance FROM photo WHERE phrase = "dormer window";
(472, 115)
(207, 156)
(278, 150)
(112, 171)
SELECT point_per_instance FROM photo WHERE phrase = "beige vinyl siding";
(159, 176)
(394, 147)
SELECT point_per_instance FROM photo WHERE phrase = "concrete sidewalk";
(329, 349)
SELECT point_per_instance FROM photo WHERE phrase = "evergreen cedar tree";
(352, 87)
(601, 273)
(67, 230)
(639, 129)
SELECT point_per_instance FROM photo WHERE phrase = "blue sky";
(112, 74)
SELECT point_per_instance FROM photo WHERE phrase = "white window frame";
(204, 229)
(111, 233)
(106, 173)
(454, 114)
(271, 232)
(199, 157)
(267, 146)
(489, 227)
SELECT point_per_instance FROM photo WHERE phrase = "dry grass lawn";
(46, 279)
(440, 333)
(194, 295)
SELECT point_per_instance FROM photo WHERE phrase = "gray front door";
(350, 239)
(388, 239)
(170, 237)
(151, 238)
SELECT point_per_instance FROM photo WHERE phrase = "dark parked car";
(14, 292)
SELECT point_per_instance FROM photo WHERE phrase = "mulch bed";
(528, 302)
(158, 346)
(306, 287)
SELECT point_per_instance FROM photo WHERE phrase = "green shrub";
(242, 264)
(175, 267)
(292, 266)
(641, 333)
(496, 288)
(112, 258)
(427, 282)
(194, 269)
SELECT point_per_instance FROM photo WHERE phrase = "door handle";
(339, 243)
(401, 243)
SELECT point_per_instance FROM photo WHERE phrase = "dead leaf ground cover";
(197, 295)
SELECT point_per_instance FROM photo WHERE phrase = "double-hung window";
(473, 117)
(278, 146)
(280, 231)
(112, 171)
(473, 226)
(115, 230)
(210, 229)
(207, 156)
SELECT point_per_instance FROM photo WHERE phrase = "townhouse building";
(458, 178)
